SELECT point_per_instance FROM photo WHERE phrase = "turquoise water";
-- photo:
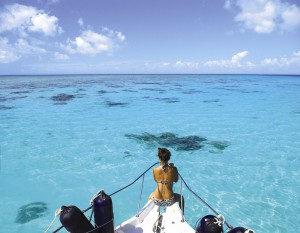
(62, 138)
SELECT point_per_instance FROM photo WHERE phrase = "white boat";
(150, 219)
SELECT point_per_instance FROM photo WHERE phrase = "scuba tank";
(103, 213)
(74, 220)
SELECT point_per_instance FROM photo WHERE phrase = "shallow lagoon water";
(63, 138)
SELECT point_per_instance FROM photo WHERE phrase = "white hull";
(154, 219)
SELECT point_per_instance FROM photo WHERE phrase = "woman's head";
(164, 154)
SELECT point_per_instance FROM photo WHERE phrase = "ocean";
(235, 140)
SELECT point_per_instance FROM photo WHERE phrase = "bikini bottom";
(166, 202)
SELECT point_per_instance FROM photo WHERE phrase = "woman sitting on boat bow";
(165, 175)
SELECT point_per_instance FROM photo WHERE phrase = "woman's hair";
(164, 154)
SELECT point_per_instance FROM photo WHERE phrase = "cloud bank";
(26, 19)
(265, 16)
(235, 61)
(285, 61)
(27, 29)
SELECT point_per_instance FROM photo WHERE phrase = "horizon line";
(150, 74)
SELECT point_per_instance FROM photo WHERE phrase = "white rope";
(156, 223)
(220, 220)
(57, 213)
(95, 196)
(249, 231)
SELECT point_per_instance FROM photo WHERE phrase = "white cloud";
(89, 43)
(227, 4)
(186, 65)
(121, 36)
(257, 15)
(80, 22)
(166, 64)
(271, 62)
(44, 23)
(92, 43)
(290, 17)
(61, 56)
(266, 16)
(235, 61)
(285, 61)
(21, 48)
(296, 54)
(114, 34)
(26, 19)
(7, 54)
(239, 56)
(49, 1)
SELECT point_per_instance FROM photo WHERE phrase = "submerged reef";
(211, 101)
(168, 100)
(110, 103)
(186, 143)
(20, 92)
(61, 99)
(31, 211)
(3, 107)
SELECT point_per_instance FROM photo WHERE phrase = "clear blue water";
(61, 149)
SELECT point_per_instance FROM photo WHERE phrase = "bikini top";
(165, 181)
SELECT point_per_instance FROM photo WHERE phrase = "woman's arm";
(175, 174)
(154, 176)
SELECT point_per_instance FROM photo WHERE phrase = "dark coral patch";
(127, 154)
(219, 145)
(2, 107)
(167, 139)
(115, 104)
(62, 99)
(3, 99)
(128, 90)
(148, 83)
(169, 100)
(187, 143)
(102, 92)
(31, 211)
(211, 101)
(20, 92)
(192, 91)
(154, 90)
(113, 85)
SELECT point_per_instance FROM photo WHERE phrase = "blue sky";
(154, 36)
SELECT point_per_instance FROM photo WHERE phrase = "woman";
(164, 175)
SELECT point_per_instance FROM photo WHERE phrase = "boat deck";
(153, 219)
